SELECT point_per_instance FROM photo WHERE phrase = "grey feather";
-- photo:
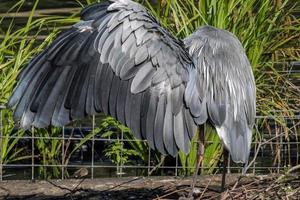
(135, 107)
(44, 115)
(114, 22)
(143, 78)
(121, 101)
(186, 137)
(141, 55)
(168, 132)
(78, 108)
(154, 47)
(105, 89)
(100, 75)
(102, 39)
(134, 48)
(127, 31)
(140, 33)
(26, 78)
(127, 44)
(226, 85)
(114, 57)
(107, 47)
(159, 76)
(42, 96)
(151, 119)
(61, 115)
(116, 60)
(179, 128)
(124, 14)
(190, 126)
(90, 106)
(159, 124)
(31, 90)
(136, 24)
(129, 99)
(144, 111)
(116, 82)
(177, 99)
(128, 70)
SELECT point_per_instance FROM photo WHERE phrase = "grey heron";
(119, 60)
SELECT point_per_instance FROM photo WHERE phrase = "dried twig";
(205, 188)
(71, 191)
(225, 195)
(58, 186)
(260, 144)
(78, 185)
(162, 160)
(297, 167)
(121, 184)
(207, 185)
(170, 193)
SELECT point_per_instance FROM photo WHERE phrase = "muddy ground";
(208, 187)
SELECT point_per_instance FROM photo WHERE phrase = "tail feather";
(237, 139)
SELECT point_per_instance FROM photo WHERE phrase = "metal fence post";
(32, 153)
(93, 146)
(63, 153)
(149, 160)
(1, 137)
(176, 166)
(280, 150)
(122, 145)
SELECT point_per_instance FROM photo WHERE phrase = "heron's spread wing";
(118, 60)
(227, 86)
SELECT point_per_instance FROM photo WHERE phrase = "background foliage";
(268, 30)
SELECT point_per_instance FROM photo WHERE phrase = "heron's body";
(120, 61)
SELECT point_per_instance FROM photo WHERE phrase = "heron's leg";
(200, 154)
(225, 163)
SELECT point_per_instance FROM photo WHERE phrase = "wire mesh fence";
(82, 149)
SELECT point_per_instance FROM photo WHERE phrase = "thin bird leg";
(200, 154)
(225, 163)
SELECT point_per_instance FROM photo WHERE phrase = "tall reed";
(270, 35)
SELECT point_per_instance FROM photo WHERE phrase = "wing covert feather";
(118, 60)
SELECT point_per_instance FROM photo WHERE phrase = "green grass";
(267, 29)
(270, 35)
(16, 49)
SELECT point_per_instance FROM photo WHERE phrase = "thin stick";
(233, 188)
(158, 198)
(207, 186)
(135, 179)
(258, 149)
(162, 160)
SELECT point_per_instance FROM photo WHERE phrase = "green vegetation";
(17, 47)
(270, 35)
(268, 30)
(118, 152)
(49, 152)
